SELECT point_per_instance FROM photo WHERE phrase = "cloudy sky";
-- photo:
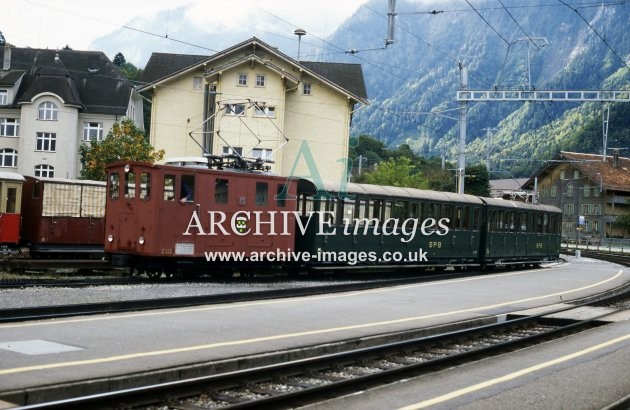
(56, 23)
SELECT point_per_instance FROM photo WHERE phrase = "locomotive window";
(221, 188)
(522, 220)
(281, 196)
(145, 185)
(114, 185)
(539, 223)
(130, 185)
(545, 223)
(187, 188)
(169, 187)
(262, 189)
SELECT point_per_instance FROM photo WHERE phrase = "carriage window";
(546, 223)
(401, 208)
(475, 219)
(169, 187)
(522, 220)
(465, 216)
(11, 200)
(376, 205)
(281, 196)
(221, 188)
(261, 193)
(114, 185)
(388, 211)
(413, 210)
(539, 223)
(330, 210)
(348, 211)
(447, 212)
(130, 185)
(36, 190)
(145, 185)
(458, 218)
(187, 188)
(361, 210)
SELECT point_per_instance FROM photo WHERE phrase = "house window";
(554, 191)
(92, 131)
(47, 111)
(46, 141)
(197, 83)
(44, 171)
(262, 153)
(233, 150)
(306, 88)
(9, 127)
(576, 174)
(8, 157)
(242, 79)
(4, 97)
(260, 80)
(265, 112)
(234, 109)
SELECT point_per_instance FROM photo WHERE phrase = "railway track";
(321, 377)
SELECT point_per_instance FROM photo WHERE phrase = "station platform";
(85, 355)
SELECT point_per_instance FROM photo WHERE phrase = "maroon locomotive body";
(63, 216)
(171, 220)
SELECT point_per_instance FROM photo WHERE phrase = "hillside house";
(592, 193)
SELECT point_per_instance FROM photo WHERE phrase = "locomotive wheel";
(152, 274)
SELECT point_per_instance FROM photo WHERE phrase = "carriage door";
(11, 194)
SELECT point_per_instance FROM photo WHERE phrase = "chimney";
(6, 63)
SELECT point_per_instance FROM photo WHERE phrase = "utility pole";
(461, 162)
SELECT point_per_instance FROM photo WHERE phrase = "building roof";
(510, 184)
(611, 174)
(85, 79)
(347, 77)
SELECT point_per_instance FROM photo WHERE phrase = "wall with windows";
(48, 145)
(257, 105)
(9, 139)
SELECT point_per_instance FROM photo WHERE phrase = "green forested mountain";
(412, 83)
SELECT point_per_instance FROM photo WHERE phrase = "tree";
(477, 180)
(125, 142)
(119, 59)
(396, 172)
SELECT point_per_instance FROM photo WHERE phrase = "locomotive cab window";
(11, 200)
(145, 185)
(281, 196)
(169, 187)
(114, 185)
(221, 190)
(130, 185)
(187, 189)
(36, 190)
(262, 193)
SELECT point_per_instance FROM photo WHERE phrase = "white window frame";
(307, 88)
(92, 131)
(4, 96)
(8, 154)
(197, 83)
(46, 142)
(234, 109)
(44, 171)
(232, 150)
(265, 112)
(242, 80)
(262, 153)
(260, 80)
(47, 111)
(9, 124)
